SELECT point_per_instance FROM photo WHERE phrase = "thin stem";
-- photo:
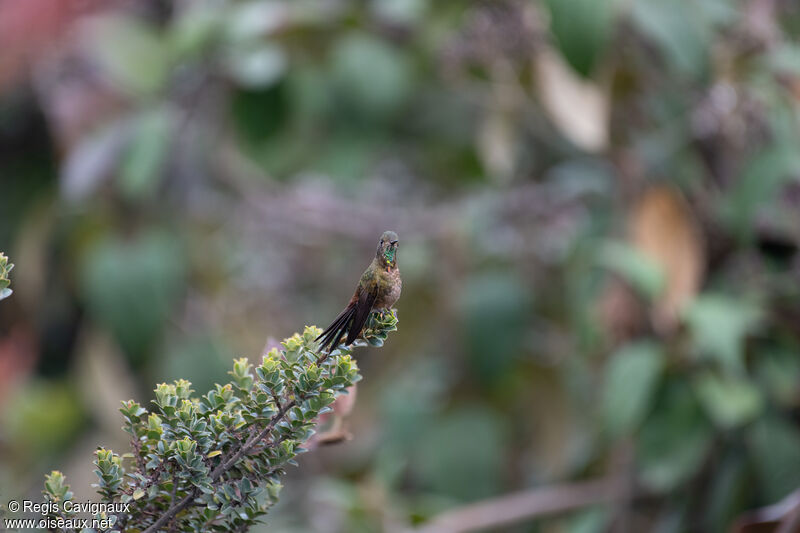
(174, 510)
(261, 435)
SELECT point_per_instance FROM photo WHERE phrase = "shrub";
(215, 461)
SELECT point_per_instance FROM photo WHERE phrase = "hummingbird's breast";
(389, 286)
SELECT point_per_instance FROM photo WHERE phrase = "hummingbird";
(378, 289)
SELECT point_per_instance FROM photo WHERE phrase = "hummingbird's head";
(387, 249)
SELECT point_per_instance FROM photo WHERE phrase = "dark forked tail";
(334, 333)
(351, 320)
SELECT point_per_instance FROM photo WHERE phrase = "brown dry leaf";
(662, 227)
(579, 108)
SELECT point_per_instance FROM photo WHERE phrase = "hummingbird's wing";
(366, 299)
(351, 320)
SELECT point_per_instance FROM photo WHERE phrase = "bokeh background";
(598, 205)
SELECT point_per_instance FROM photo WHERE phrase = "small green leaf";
(778, 371)
(729, 401)
(674, 440)
(371, 77)
(719, 324)
(259, 67)
(775, 455)
(631, 379)
(130, 52)
(760, 182)
(144, 160)
(644, 274)
(674, 26)
(581, 29)
(138, 493)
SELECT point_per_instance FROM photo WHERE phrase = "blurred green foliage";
(130, 287)
(182, 182)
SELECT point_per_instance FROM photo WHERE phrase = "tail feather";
(334, 333)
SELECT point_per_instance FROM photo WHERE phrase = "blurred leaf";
(411, 401)
(372, 79)
(311, 98)
(42, 417)
(729, 401)
(718, 13)
(581, 178)
(581, 29)
(759, 184)
(592, 520)
(579, 108)
(719, 324)
(465, 472)
(345, 157)
(251, 21)
(775, 454)
(728, 495)
(399, 11)
(257, 67)
(495, 318)
(786, 59)
(145, 157)
(197, 23)
(679, 30)
(130, 51)
(779, 373)
(663, 228)
(260, 114)
(674, 440)
(130, 287)
(642, 272)
(631, 379)
(345, 500)
(5, 293)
